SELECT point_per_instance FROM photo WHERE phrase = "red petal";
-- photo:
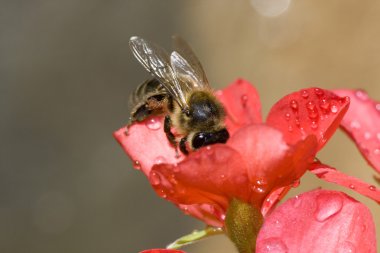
(273, 199)
(308, 112)
(162, 251)
(242, 104)
(318, 221)
(332, 175)
(146, 144)
(212, 175)
(271, 162)
(362, 124)
(209, 214)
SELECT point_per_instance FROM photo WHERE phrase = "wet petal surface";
(242, 104)
(306, 112)
(146, 144)
(212, 175)
(271, 162)
(318, 221)
(332, 175)
(362, 124)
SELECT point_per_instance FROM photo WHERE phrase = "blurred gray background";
(66, 73)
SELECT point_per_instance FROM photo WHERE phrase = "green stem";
(194, 237)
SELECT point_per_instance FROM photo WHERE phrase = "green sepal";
(243, 223)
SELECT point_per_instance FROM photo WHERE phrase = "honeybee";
(180, 91)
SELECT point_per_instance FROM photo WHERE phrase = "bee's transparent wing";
(157, 61)
(193, 64)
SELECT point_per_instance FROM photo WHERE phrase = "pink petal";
(146, 144)
(311, 111)
(162, 251)
(271, 162)
(362, 124)
(318, 221)
(332, 175)
(212, 175)
(242, 104)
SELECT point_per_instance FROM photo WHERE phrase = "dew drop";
(355, 124)
(304, 94)
(258, 189)
(154, 178)
(222, 176)
(297, 121)
(290, 129)
(377, 151)
(346, 247)
(324, 104)
(318, 92)
(327, 206)
(294, 105)
(296, 201)
(352, 186)
(362, 95)
(159, 160)
(296, 183)
(244, 100)
(377, 107)
(136, 165)
(287, 116)
(314, 125)
(372, 188)
(334, 109)
(367, 135)
(153, 123)
(272, 245)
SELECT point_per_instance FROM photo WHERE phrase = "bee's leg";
(169, 134)
(182, 146)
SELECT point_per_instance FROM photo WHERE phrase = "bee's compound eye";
(198, 140)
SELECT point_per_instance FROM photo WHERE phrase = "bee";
(180, 91)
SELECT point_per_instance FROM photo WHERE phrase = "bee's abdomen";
(150, 98)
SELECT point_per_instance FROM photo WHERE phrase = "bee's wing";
(193, 64)
(157, 62)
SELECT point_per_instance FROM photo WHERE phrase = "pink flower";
(259, 163)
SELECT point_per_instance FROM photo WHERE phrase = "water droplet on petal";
(136, 165)
(367, 135)
(355, 124)
(305, 94)
(314, 125)
(154, 178)
(377, 107)
(272, 245)
(372, 188)
(153, 123)
(377, 151)
(222, 176)
(296, 183)
(159, 160)
(290, 129)
(287, 116)
(334, 108)
(297, 201)
(327, 206)
(346, 247)
(318, 92)
(294, 105)
(244, 99)
(362, 95)
(352, 186)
